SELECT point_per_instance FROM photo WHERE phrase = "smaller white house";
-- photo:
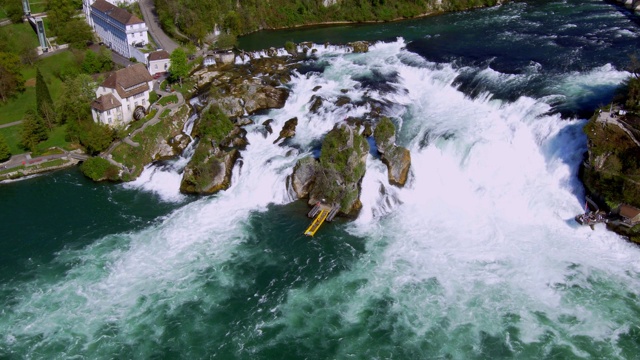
(121, 94)
(158, 62)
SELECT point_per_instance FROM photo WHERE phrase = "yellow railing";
(317, 222)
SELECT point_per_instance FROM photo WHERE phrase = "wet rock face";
(303, 176)
(288, 130)
(248, 88)
(335, 177)
(359, 46)
(397, 158)
(210, 175)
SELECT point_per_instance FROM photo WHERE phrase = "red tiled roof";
(120, 15)
(628, 211)
(129, 81)
(158, 55)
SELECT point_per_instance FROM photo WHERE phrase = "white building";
(158, 62)
(86, 7)
(117, 28)
(121, 94)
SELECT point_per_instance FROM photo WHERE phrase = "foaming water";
(477, 256)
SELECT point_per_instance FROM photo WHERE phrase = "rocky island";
(228, 94)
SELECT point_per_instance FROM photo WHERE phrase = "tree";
(5, 153)
(179, 67)
(44, 104)
(76, 95)
(11, 80)
(33, 131)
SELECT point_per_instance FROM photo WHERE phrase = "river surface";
(477, 257)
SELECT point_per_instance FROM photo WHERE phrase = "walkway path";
(148, 9)
(608, 117)
(26, 159)
(11, 124)
(129, 138)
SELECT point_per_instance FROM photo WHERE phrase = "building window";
(108, 112)
(155, 66)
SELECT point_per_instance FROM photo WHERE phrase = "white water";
(482, 231)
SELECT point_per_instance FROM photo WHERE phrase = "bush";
(213, 125)
(97, 169)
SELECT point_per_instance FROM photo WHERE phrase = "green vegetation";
(334, 156)
(5, 152)
(64, 23)
(165, 113)
(384, 131)
(11, 80)
(136, 158)
(97, 168)
(153, 97)
(33, 131)
(97, 63)
(179, 67)
(12, 137)
(169, 99)
(196, 17)
(44, 103)
(213, 125)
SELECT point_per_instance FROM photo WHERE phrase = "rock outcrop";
(288, 130)
(247, 88)
(397, 158)
(335, 177)
(211, 166)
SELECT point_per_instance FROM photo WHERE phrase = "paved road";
(148, 9)
(26, 159)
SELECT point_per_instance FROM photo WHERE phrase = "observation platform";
(321, 213)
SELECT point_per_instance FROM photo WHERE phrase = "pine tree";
(33, 131)
(44, 103)
(5, 153)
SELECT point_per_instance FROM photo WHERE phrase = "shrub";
(97, 169)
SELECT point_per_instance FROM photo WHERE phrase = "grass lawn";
(19, 33)
(12, 136)
(168, 99)
(15, 109)
(56, 138)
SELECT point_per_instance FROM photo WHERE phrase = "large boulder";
(211, 165)
(210, 174)
(335, 177)
(397, 158)
(303, 175)
(288, 130)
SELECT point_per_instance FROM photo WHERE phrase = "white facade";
(120, 94)
(158, 62)
(86, 7)
(117, 28)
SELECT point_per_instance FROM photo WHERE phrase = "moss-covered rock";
(397, 158)
(335, 177)
(611, 170)
(160, 141)
(211, 166)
